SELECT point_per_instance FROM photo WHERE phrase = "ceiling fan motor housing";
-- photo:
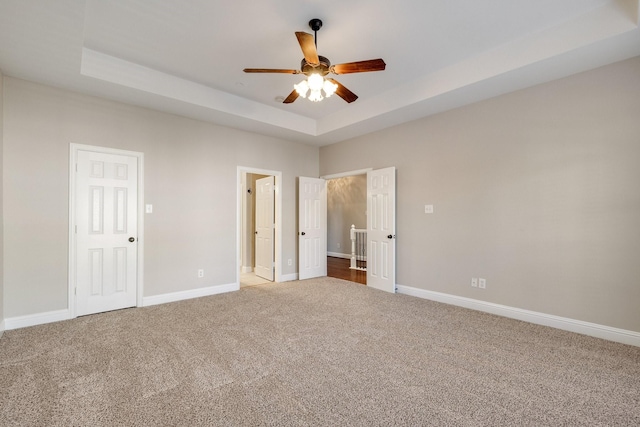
(322, 68)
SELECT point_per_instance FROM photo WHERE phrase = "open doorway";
(347, 210)
(259, 225)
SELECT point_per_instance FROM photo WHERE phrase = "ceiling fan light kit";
(316, 86)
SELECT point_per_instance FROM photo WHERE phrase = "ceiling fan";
(316, 67)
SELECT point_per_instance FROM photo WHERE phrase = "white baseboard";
(192, 293)
(246, 269)
(289, 277)
(339, 255)
(1, 327)
(36, 319)
(58, 315)
(592, 329)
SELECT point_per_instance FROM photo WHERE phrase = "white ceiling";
(186, 56)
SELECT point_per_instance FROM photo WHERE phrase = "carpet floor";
(320, 352)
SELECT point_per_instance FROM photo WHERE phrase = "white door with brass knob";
(265, 227)
(381, 229)
(106, 229)
(312, 228)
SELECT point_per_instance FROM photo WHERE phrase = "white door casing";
(381, 229)
(265, 227)
(106, 220)
(312, 228)
(242, 170)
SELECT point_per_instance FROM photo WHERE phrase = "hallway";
(339, 268)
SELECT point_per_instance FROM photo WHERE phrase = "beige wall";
(346, 205)
(190, 178)
(538, 191)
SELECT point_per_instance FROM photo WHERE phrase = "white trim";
(345, 174)
(592, 329)
(2, 327)
(36, 319)
(338, 255)
(73, 150)
(193, 293)
(278, 243)
(288, 277)
(246, 269)
(59, 315)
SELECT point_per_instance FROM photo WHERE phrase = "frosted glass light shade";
(314, 86)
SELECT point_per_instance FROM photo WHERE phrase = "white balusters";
(358, 248)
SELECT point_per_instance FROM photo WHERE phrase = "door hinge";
(75, 291)
(76, 229)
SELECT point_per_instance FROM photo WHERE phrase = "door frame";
(277, 255)
(361, 172)
(345, 174)
(73, 155)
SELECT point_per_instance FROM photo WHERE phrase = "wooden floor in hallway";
(339, 268)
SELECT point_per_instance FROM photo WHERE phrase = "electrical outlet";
(289, 262)
(482, 283)
(428, 209)
(474, 282)
(200, 274)
(339, 244)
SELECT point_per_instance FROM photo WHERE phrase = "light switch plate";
(148, 208)
(428, 209)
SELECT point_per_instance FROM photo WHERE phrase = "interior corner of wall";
(631, 8)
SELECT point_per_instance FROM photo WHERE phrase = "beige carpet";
(317, 352)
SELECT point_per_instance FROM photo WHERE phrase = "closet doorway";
(259, 225)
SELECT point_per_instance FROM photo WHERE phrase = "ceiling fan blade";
(308, 46)
(343, 92)
(359, 66)
(270, 70)
(292, 97)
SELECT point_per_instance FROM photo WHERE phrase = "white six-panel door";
(381, 229)
(106, 232)
(265, 228)
(312, 228)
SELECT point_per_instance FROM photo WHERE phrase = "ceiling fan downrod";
(315, 25)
